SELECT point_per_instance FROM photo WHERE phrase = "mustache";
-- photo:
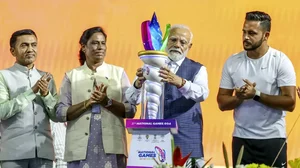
(175, 49)
(30, 53)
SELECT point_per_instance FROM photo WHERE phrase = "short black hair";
(16, 34)
(86, 35)
(262, 17)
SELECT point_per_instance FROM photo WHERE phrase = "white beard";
(175, 56)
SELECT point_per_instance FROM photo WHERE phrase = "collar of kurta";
(98, 69)
(178, 63)
(23, 68)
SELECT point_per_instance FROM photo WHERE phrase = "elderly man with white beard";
(186, 85)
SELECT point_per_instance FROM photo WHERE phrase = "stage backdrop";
(217, 28)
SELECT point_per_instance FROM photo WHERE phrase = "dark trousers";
(28, 163)
(260, 151)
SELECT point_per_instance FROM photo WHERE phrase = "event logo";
(146, 155)
(161, 153)
(147, 70)
(162, 138)
(155, 139)
(147, 138)
(139, 138)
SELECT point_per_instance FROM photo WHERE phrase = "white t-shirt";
(254, 120)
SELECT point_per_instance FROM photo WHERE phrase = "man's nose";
(245, 37)
(177, 44)
(30, 48)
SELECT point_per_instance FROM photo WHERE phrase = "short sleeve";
(286, 75)
(226, 80)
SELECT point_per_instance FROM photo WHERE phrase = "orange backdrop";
(216, 25)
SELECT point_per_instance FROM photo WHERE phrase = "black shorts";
(262, 151)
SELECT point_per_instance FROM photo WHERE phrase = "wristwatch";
(109, 103)
(256, 96)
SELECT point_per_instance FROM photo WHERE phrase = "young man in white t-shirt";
(259, 85)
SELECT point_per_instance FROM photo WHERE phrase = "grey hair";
(181, 26)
